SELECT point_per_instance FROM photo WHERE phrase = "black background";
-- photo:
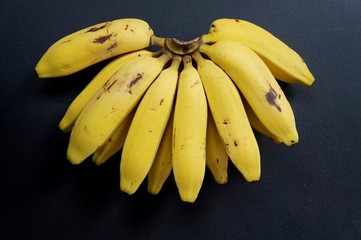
(309, 191)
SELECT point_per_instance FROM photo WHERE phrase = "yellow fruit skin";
(258, 86)
(111, 104)
(162, 165)
(147, 128)
(73, 111)
(230, 118)
(284, 63)
(93, 44)
(257, 125)
(189, 133)
(115, 142)
(216, 155)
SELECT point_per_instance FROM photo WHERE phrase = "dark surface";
(309, 191)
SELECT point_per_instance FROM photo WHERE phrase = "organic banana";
(257, 85)
(162, 164)
(216, 155)
(115, 142)
(73, 111)
(230, 118)
(189, 133)
(147, 128)
(92, 45)
(284, 63)
(111, 104)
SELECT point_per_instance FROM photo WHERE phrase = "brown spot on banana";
(226, 121)
(111, 85)
(271, 97)
(135, 80)
(114, 45)
(94, 29)
(102, 39)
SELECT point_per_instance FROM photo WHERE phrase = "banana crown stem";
(177, 47)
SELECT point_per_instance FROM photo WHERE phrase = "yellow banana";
(115, 142)
(284, 63)
(230, 118)
(189, 133)
(73, 111)
(257, 124)
(111, 104)
(216, 155)
(257, 85)
(92, 45)
(147, 128)
(162, 165)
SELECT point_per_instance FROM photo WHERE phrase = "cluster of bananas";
(184, 108)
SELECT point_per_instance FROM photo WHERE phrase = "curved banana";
(115, 142)
(189, 133)
(73, 111)
(111, 104)
(216, 155)
(92, 45)
(257, 85)
(230, 118)
(147, 128)
(257, 124)
(162, 165)
(284, 63)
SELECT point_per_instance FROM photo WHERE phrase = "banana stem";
(176, 46)
(157, 41)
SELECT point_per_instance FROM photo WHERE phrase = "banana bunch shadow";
(182, 108)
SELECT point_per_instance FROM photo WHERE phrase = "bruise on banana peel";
(94, 29)
(103, 39)
(138, 77)
(271, 97)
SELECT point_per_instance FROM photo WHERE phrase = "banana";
(73, 111)
(162, 165)
(258, 86)
(111, 104)
(230, 118)
(216, 155)
(257, 124)
(115, 142)
(189, 133)
(91, 45)
(284, 63)
(147, 128)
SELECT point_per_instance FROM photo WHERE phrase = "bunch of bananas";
(183, 108)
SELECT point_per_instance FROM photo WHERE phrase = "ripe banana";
(257, 124)
(230, 118)
(155, 105)
(147, 128)
(257, 85)
(284, 63)
(111, 104)
(115, 142)
(216, 155)
(189, 133)
(73, 111)
(92, 45)
(162, 164)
